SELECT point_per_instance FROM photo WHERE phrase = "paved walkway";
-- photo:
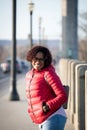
(13, 114)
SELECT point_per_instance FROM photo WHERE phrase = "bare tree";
(83, 50)
(83, 23)
(83, 40)
(22, 51)
(3, 53)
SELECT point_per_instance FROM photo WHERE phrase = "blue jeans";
(57, 122)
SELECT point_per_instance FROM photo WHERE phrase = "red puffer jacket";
(38, 91)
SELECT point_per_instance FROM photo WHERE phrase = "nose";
(37, 61)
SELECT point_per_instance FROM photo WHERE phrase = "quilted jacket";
(44, 86)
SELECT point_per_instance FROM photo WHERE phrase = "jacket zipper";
(30, 96)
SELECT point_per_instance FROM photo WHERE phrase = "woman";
(44, 91)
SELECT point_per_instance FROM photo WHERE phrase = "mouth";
(37, 65)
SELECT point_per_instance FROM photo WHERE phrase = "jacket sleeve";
(55, 83)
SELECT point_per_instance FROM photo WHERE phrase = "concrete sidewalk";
(13, 114)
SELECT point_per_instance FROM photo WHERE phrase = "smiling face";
(38, 61)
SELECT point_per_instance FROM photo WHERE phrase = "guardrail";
(74, 74)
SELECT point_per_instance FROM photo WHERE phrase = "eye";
(38, 59)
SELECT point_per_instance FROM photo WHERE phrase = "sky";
(50, 12)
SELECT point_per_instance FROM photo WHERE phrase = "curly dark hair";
(34, 50)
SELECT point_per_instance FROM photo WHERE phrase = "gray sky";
(48, 10)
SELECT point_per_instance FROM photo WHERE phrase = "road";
(5, 82)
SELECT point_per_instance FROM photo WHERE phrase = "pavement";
(13, 114)
(1, 73)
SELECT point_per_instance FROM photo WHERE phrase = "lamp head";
(31, 6)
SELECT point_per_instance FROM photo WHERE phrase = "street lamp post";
(40, 20)
(43, 31)
(31, 7)
(14, 95)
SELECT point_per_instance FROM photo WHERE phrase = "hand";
(45, 108)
